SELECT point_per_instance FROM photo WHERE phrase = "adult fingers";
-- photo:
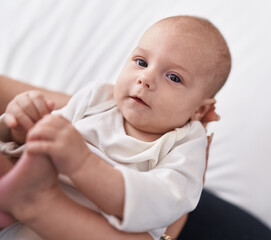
(210, 116)
(209, 141)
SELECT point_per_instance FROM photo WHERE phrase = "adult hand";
(210, 116)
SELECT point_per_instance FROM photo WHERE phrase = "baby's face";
(162, 83)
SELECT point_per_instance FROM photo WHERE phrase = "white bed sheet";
(64, 44)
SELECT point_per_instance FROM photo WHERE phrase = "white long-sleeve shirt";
(163, 178)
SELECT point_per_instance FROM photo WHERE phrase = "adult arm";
(9, 88)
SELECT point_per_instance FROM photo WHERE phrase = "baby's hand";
(55, 137)
(24, 111)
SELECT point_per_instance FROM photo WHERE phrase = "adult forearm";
(9, 88)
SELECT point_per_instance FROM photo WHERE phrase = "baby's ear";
(206, 105)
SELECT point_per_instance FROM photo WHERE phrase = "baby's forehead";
(175, 40)
(180, 26)
(190, 26)
(205, 40)
(183, 31)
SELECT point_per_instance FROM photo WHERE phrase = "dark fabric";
(215, 219)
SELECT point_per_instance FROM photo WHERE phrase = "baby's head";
(173, 74)
(211, 53)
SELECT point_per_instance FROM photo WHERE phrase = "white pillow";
(64, 44)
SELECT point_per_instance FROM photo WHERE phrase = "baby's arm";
(24, 111)
(54, 136)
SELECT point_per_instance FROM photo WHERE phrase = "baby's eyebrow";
(181, 67)
(140, 49)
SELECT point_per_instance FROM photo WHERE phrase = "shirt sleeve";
(157, 198)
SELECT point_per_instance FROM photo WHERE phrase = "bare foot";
(5, 165)
(25, 184)
(5, 218)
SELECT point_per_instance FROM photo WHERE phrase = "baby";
(134, 150)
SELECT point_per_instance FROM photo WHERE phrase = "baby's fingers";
(50, 105)
(10, 120)
(38, 105)
(41, 132)
(39, 147)
(23, 110)
(16, 118)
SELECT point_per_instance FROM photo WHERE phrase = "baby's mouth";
(139, 100)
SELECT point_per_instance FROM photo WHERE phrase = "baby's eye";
(142, 63)
(174, 78)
